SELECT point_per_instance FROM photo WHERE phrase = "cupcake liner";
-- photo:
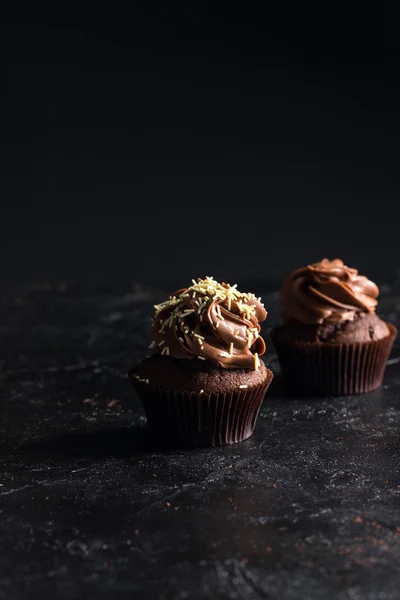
(202, 419)
(324, 369)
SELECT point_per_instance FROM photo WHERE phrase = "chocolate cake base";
(191, 405)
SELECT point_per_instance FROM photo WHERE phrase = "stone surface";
(307, 508)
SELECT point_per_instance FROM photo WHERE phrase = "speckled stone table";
(307, 508)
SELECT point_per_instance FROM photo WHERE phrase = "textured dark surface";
(307, 508)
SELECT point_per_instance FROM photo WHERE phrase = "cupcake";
(205, 382)
(332, 342)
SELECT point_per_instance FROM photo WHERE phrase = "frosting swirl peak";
(327, 291)
(213, 321)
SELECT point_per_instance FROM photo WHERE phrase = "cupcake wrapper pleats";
(323, 369)
(202, 419)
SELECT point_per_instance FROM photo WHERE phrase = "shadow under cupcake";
(332, 342)
(205, 383)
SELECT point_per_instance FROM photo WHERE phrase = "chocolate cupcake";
(205, 383)
(332, 342)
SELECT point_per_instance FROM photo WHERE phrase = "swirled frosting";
(213, 321)
(327, 292)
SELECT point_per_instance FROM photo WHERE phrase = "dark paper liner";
(326, 369)
(194, 419)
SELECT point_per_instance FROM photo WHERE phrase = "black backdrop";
(165, 141)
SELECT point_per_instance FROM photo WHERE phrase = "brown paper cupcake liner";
(324, 369)
(193, 419)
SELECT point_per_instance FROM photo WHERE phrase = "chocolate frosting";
(327, 292)
(211, 321)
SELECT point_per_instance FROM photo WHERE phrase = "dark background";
(162, 141)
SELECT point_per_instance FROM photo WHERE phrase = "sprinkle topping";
(211, 321)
